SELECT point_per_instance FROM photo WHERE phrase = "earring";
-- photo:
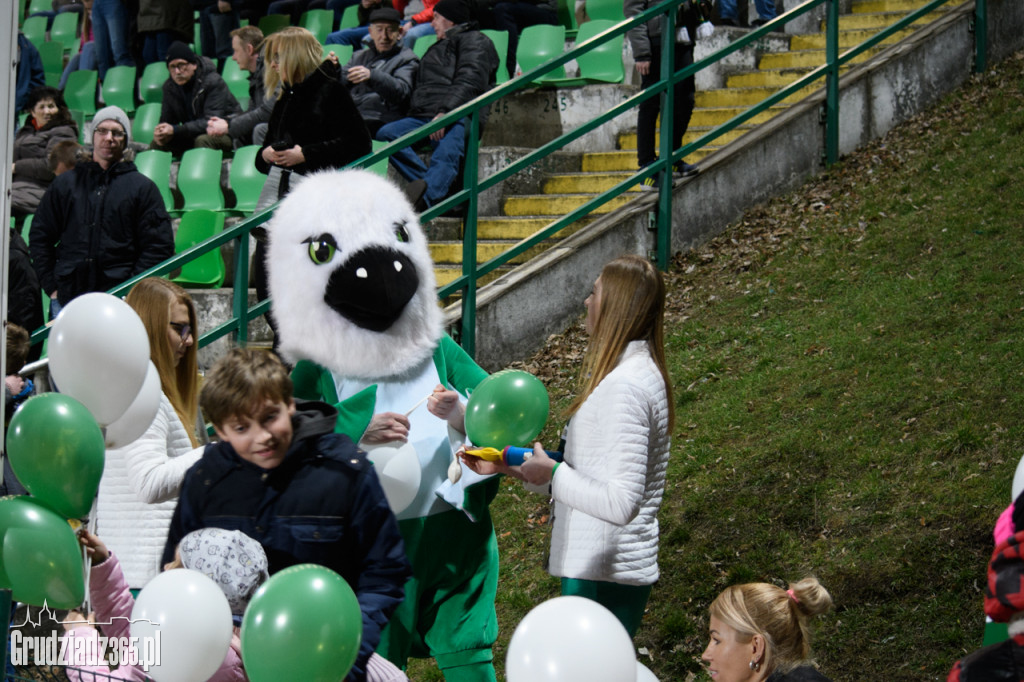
(755, 666)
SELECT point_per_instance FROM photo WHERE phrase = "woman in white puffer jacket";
(141, 481)
(608, 489)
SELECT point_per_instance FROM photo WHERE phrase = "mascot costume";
(355, 298)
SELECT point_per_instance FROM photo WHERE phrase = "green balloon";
(509, 407)
(302, 624)
(41, 559)
(57, 451)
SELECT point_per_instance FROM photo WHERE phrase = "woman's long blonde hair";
(297, 53)
(780, 616)
(151, 299)
(632, 308)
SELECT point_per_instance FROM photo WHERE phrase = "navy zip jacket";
(323, 504)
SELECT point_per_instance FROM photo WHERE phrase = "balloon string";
(90, 524)
(413, 408)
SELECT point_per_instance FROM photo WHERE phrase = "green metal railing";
(466, 283)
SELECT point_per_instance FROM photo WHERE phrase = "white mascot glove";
(683, 36)
(705, 30)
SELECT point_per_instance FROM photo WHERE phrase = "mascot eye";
(322, 249)
(401, 233)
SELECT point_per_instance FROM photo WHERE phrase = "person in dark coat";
(284, 478)
(100, 223)
(314, 126)
(193, 93)
(48, 124)
(380, 78)
(24, 295)
(459, 67)
(30, 71)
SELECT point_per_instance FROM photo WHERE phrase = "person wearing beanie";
(1004, 603)
(459, 67)
(355, 35)
(100, 223)
(192, 94)
(380, 78)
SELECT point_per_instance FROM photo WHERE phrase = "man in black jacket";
(458, 68)
(192, 94)
(380, 77)
(101, 222)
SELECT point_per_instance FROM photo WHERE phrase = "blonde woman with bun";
(142, 479)
(760, 632)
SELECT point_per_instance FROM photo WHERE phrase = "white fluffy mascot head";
(351, 278)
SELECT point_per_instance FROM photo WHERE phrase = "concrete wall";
(517, 312)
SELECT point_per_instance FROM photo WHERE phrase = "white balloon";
(1018, 481)
(139, 415)
(644, 674)
(99, 352)
(398, 468)
(193, 618)
(570, 639)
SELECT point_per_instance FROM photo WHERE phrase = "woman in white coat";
(608, 488)
(141, 481)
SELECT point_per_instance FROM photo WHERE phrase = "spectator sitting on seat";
(515, 15)
(279, 474)
(380, 78)
(355, 35)
(459, 67)
(250, 126)
(100, 223)
(420, 24)
(17, 390)
(48, 124)
(191, 95)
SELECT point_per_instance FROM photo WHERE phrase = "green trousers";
(627, 602)
(448, 611)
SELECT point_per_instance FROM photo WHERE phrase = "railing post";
(666, 140)
(470, 182)
(240, 299)
(832, 84)
(980, 36)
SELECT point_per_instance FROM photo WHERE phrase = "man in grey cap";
(101, 222)
(380, 77)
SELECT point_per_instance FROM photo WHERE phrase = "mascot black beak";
(372, 288)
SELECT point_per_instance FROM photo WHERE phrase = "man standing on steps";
(647, 41)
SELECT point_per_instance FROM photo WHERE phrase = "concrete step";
(747, 96)
(521, 227)
(873, 6)
(448, 253)
(716, 116)
(584, 183)
(557, 204)
(875, 21)
(847, 39)
(628, 140)
(805, 59)
(445, 274)
(604, 162)
(771, 78)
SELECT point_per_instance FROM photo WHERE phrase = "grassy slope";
(847, 367)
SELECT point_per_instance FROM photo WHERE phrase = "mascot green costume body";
(355, 299)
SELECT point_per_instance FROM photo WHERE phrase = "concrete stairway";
(522, 215)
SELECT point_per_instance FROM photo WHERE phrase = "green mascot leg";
(448, 611)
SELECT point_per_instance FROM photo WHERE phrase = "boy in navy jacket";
(283, 477)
